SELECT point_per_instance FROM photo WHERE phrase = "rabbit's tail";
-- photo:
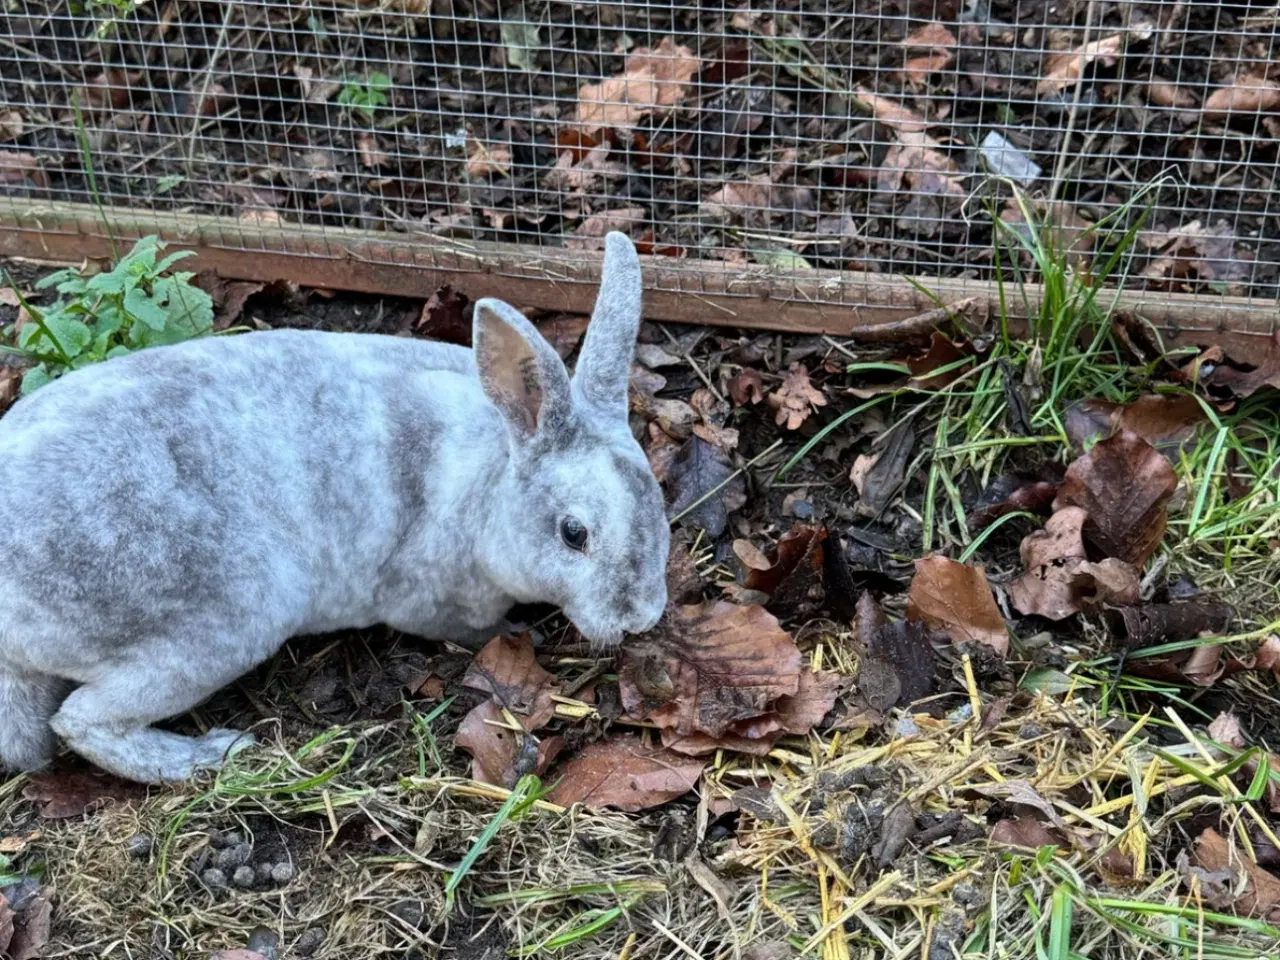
(27, 701)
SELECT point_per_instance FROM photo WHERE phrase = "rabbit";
(170, 517)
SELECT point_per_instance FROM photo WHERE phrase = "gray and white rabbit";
(169, 518)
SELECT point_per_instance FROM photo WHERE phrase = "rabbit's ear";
(520, 372)
(604, 366)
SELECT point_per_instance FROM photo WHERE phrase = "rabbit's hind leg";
(108, 720)
(27, 701)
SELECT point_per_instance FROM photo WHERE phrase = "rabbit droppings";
(169, 518)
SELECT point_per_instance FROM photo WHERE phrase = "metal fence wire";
(883, 138)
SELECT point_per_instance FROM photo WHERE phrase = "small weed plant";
(140, 303)
(366, 93)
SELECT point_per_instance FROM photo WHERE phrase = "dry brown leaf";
(486, 159)
(1045, 589)
(747, 386)
(1024, 832)
(796, 398)
(795, 571)
(1165, 421)
(1059, 581)
(917, 70)
(890, 112)
(1225, 729)
(1245, 94)
(1124, 485)
(590, 233)
(11, 124)
(16, 167)
(563, 331)
(1195, 252)
(803, 710)
(750, 555)
(32, 924)
(1062, 69)
(371, 155)
(651, 81)
(1022, 793)
(505, 668)
(956, 597)
(1166, 94)
(65, 795)
(702, 745)
(444, 317)
(501, 755)
(924, 169)
(625, 774)
(708, 668)
(1260, 895)
(931, 35)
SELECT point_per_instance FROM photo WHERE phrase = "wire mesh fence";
(872, 138)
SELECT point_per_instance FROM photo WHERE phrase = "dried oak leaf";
(1195, 252)
(878, 477)
(1225, 729)
(65, 795)
(803, 710)
(16, 167)
(1264, 370)
(1024, 832)
(1060, 581)
(1260, 894)
(563, 331)
(793, 570)
(625, 774)
(487, 159)
(1014, 492)
(925, 169)
(590, 233)
(30, 922)
(1167, 422)
(955, 597)
(746, 387)
(500, 755)
(1124, 485)
(700, 473)
(444, 317)
(651, 81)
(711, 666)
(1062, 69)
(505, 668)
(1245, 93)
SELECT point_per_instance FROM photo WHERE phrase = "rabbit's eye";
(573, 533)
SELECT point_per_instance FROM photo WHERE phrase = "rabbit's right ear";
(520, 372)
(604, 364)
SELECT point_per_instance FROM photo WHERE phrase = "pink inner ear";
(512, 372)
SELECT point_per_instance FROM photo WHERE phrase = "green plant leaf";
(120, 350)
(72, 335)
(142, 307)
(173, 258)
(35, 378)
(111, 282)
(783, 259)
(58, 276)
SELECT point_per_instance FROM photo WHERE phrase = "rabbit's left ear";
(520, 372)
(604, 366)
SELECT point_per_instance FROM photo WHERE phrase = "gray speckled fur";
(170, 518)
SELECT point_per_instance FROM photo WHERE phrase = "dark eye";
(573, 533)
